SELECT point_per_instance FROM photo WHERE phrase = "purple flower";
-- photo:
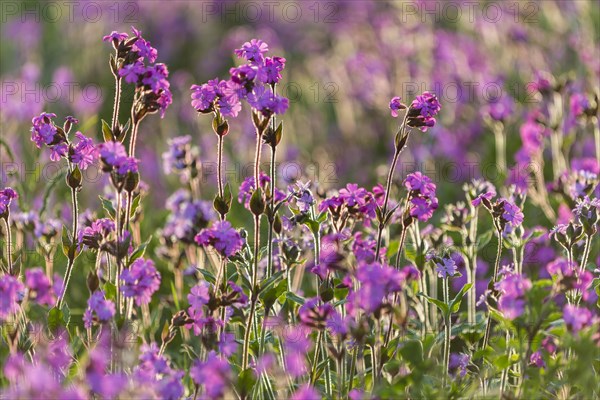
(99, 379)
(132, 72)
(447, 269)
(243, 75)
(353, 195)
(315, 315)
(143, 48)
(377, 282)
(270, 72)
(422, 111)
(364, 249)
(43, 130)
(199, 295)
(140, 281)
(126, 165)
(395, 105)
(203, 96)
(303, 195)
(98, 304)
(306, 392)
(537, 360)
(420, 183)
(253, 51)
(501, 108)
(297, 345)
(155, 77)
(115, 36)
(480, 191)
(11, 293)
(214, 374)
(512, 214)
(512, 288)
(98, 231)
(330, 203)
(264, 100)
(84, 153)
(40, 287)
(247, 188)
(187, 216)
(576, 318)
(532, 134)
(423, 208)
(578, 103)
(459, 362)
(7, 195)
(154, 370)
(223, 237)
(112, 152)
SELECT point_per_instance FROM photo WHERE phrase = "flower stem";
(134, 132)
(271, 214)
(8, 245)
(117, 102)
(388, 185)
(447, 333)
(488, 326)
(254, 289)
(71, 256)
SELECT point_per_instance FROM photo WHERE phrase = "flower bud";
(74, 178)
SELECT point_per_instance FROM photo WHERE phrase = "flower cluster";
(253, 82)
(99, 307)
(222, 237)
(7, 195)
(187, 217)
(512, 288)
(140, 281)
(422, 111)
(82, 153)
(422, 196)
(151, 85)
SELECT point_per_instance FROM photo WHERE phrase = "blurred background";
(345, 60)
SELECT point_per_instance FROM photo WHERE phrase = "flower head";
(447, 268)
(396, 105)
(223, 237)
(253, 51)
(7, 195)
(140, 281)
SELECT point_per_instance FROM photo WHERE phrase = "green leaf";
(110, 291)
(66, 241)
(55, 319)
(140, 251)
(412, 351)
(208, 276)
(270, 296)
(484, 238)
(269, 282)
(107, 132)
(295, 298)
(440, 304)
(245, 382)
(455, 303)
(108, 207)
(175, 297)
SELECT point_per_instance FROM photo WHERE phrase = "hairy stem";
(488, 326)
(8, 245)
(447, 333)
(71, 257)
(117, 102)
(272, 174)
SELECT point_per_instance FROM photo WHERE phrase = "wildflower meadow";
(299, 200)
